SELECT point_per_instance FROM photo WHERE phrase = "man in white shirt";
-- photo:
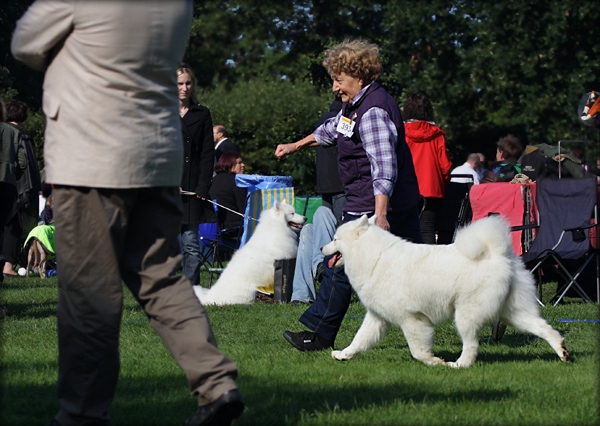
(222, 143)
(470, 167)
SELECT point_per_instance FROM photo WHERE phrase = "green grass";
(517, 381)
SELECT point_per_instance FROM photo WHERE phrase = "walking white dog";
(252, 266)
(478, 280)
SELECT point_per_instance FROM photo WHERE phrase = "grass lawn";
(517, 381)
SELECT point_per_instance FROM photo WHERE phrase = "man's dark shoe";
(307, 341)
(227, 407)
(498, 330)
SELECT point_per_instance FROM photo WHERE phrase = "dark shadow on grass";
(11, 283)
(25, 311)
(517, 342)
(277, 404)
(164, 401)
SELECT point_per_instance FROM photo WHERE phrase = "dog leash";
(228, 209)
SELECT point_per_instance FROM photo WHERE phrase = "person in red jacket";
(432, 165)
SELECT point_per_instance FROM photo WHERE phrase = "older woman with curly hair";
(375, 166)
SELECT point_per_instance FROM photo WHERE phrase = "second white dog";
(477, 280)
(252, 266)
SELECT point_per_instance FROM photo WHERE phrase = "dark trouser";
(429, 218)
(104, 236)
(325, 316)
(8, 197)
(336, 203)
(11, 243)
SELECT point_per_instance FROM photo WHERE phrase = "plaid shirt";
(379, 137)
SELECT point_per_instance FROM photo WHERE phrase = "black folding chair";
(217, 244)
(567, 210)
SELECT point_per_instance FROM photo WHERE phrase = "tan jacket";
(110, 89)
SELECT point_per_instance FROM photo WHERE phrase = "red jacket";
(432, 165)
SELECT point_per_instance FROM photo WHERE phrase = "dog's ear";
(361, 225)
(372, 220)
(276, 205)
(363, 222)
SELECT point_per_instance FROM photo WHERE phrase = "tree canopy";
(490, 68)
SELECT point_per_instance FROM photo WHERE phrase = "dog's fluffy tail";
(488, 235)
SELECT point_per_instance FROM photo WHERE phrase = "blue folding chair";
(217, 244)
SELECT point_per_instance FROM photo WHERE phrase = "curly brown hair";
(16, 111)
(357, 58)
(418, 107)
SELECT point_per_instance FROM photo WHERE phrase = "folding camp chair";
(515, 202)
(263, 191)
(567, 211)
(456, 209)
(217, 244)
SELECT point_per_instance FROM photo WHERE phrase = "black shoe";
(319, 273)
(307, 341)
(54, 422)
(498, 330)
(227, 407)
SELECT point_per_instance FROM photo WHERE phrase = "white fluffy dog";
(252, 266)
(477, 280)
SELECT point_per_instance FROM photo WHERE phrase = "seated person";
(226, 193)
(231, 200)
(509, 150)
(309, 259)
(470, 167)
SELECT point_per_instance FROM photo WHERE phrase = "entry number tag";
(346, 126)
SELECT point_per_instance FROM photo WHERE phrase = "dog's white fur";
(252, 266)
(477, 280)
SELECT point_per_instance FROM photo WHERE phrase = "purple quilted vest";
(354, 166)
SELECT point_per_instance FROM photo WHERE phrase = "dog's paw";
(341, 355)
(433, 361)
(459, 364)
(565, 357)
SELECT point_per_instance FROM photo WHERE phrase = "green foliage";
(517, 381)
(497, 67)
(35, 126)
(263, 112)
(16, 80)
(490, 68)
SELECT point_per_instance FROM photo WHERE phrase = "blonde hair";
(357, 58)
(186, 70)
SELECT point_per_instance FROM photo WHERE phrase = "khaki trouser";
(104, 237)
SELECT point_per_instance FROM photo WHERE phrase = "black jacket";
(227, 194)
(29, 186)
(328, 177)
(225, 146)
(199, 151)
